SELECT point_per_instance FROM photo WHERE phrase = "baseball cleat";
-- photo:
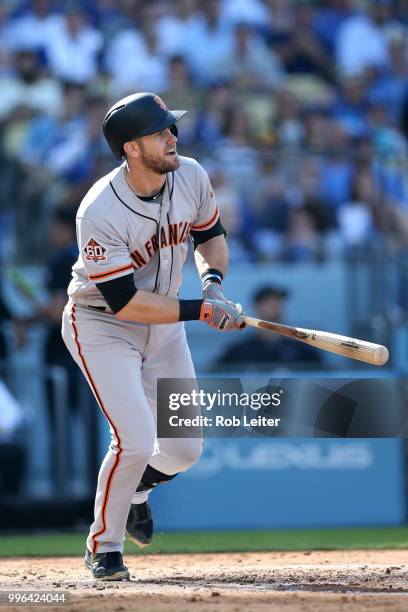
(139, 526)
(107, 565)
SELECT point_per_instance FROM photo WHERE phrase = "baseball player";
(123, 323)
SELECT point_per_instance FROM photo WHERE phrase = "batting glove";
(222, 315)
(211, 281)
(213, 291)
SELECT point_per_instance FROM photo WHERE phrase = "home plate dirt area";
(233, 582)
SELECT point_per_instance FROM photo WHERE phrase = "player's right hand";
(222, 315)
(213, 291)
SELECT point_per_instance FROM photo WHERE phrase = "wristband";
(190, 310)
(212, 275)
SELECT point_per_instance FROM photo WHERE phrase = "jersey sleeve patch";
(95, 251)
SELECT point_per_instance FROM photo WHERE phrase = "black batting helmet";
(137, 115)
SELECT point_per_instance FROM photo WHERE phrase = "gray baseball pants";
(122, 362)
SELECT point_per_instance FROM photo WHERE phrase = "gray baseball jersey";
(119, 233)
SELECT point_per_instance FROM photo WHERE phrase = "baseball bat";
(375, 354)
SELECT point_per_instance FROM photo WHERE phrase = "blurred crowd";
(294, 110)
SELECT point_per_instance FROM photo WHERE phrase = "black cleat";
(139, 526)
(107, 565)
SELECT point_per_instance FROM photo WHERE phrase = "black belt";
(100, 308)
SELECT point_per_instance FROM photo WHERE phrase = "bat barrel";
(374, 354)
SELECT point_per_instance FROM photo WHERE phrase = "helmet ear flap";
(173, 129)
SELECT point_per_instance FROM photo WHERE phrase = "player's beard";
(159, 165)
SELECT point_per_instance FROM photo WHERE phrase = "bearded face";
(159, 156)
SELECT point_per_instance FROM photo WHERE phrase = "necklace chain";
(133, 189)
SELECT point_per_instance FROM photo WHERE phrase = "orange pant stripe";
(117, 458)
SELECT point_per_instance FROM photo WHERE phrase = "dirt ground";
(235, 582)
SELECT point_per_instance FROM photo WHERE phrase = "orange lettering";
(148, 248)
(155, 243)
(184, 233)
(163, 239)
(138, 259)
(173, 234)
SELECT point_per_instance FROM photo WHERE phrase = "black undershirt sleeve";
(201, 237)
(118, 292)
